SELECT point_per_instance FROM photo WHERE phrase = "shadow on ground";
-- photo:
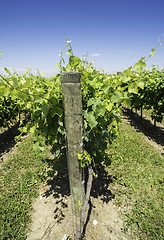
(7, 141)
(58, 187)
(155, 133)
(7, 136)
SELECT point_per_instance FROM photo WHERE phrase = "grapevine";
(102, 99)
(102, 96)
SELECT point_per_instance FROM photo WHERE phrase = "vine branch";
(154, 49)
(89, 185)
(29, 94)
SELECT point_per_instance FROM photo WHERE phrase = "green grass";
(147, 113)
(137, 170)
(138, 179)
(20, 178)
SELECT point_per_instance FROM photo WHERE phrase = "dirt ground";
(52, 218)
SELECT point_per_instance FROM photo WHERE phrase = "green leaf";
(40, 100)
(140, 65)
(99, 107)
(137, 66)
(140, 85)
(128, 72)
(74, 60)
(90, 102)
(56, 149)
(36, 147)
(69, 52)
(7, 70)
(32, 129)
(152, 54)
(15, 81)
(133, 89)
(116, 98)
(22, 95)
(100, 110)
(0, 53)
(109, 106)
(91, 120)
(3, 91)
(58, 111)
(14, 93)
(57, 65)
(45, 109)
(106, 87)
(125, 79)
(97, 101)
(24, 129)
(61, 129)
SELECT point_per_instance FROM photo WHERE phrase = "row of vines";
(102, 96)
(151, 97)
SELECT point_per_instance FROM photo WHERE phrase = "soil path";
(52, 216)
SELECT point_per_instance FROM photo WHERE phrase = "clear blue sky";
(115, 33)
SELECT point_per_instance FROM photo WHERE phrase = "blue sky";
(116, 34)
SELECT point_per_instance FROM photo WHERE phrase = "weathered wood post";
(71, 89)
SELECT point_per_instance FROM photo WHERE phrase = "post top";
(70, 77)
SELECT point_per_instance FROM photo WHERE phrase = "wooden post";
(71, 89)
